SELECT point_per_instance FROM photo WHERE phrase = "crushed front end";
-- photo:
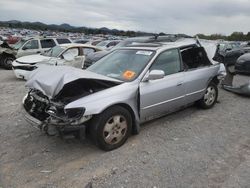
(51, 117)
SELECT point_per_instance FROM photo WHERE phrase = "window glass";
(87, 51)
(168, 61)
(33, 44)
(63, 41)
(72, 51)
(125, 65)
(47, 43)
(54, 52)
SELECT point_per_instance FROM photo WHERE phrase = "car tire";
(7, 61)
(210, 97)
(111, 129)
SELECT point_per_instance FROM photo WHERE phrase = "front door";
(29, 48)
(162, 96)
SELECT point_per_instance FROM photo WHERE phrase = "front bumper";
(31, 120)
(53, 129)
(22, 70)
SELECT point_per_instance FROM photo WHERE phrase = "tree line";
(68, 28)
(235, 36)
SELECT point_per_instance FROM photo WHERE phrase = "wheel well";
(4, 54)
(215, 80)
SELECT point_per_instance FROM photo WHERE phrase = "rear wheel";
(210, 96)
(111, 128)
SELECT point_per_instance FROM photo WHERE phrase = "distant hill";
(68, 28)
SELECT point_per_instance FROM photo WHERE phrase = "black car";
(243, 64)
(229, 52)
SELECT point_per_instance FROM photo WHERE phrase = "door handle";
(38, 52)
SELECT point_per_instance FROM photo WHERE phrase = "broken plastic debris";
(46, 171)
(241, 90)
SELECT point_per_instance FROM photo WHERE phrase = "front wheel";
(7, 62)
(111, 128)
(210, 97)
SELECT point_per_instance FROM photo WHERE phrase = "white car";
(64, 54)
(28, 46)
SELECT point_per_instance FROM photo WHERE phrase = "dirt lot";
(191, 148)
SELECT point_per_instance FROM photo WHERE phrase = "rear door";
(74, 56)
(164, 95)
(199, 71)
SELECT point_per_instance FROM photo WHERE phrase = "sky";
(169, 16)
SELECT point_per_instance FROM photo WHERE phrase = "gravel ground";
(190, 148)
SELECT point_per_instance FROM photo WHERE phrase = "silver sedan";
(125, 88)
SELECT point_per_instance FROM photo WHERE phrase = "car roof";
(42, 37)
(70, 45)
(184, 42)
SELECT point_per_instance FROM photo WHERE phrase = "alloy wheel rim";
(210, 95)
(115, 129)
(9, 61)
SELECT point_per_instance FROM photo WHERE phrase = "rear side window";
(194, 58)
(63, 41)
(72, 52)
(168, 61)
(48, 43)
(87, 51)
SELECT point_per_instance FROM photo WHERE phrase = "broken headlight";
(74, 113)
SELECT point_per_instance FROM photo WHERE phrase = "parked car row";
(128, 86)
(64, 54)
(232, 55)
(27, 46)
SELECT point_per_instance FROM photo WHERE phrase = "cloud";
(189, 16)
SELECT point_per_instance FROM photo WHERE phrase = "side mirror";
(228, 49)
(24, 48)
(154, 75)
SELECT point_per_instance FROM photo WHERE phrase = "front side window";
(54, 52)
(47, 43)
(32, 44)
(125, 65)
(168, 61)
(19, 44)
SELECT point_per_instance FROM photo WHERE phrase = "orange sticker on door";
(128, 75)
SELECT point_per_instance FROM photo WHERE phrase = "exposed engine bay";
(51, 112)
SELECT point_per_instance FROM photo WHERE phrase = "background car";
(92, 58)
(64, 54)
(81, 41)
(27, 46)
(229, 52)
(242, 65)
(94, 42)
(107, 44)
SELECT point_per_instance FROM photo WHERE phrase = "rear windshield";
(63, 41)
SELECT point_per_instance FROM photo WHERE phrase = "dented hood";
(51, 79)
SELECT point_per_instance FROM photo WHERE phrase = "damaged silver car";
(114, 96)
